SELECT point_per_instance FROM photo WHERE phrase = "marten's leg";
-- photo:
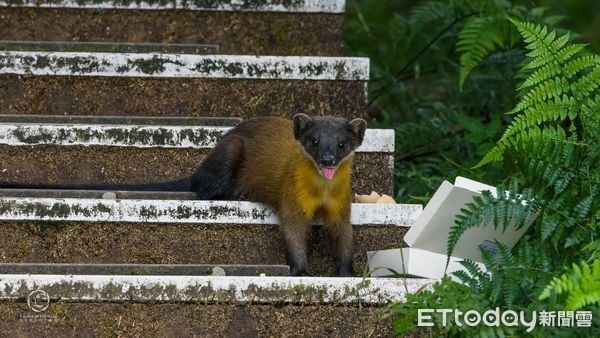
(295, 229)
(216, 177)
(340, 239)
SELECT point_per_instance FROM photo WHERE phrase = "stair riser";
(303, 30)
(179, 97)
(77, 242)
(43, 164)
(144, 269)
(107, 47)
(201, 320)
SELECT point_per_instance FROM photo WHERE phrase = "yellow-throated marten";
(300, 167)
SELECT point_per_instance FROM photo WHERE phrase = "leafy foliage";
(478, 37)
(582, 285)
(445, 294)
(507, 208)
(551, 148)
(419, 50)
(508, 279)
(548, 159)
(561, 87)
(443, 76)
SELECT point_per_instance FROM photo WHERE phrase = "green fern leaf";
(549, 224)
(552, 93)
(583, 208)
(582, 286)
(587, 84)
(478, 37)
(506, 257)
(578, 64)
(463, 277)
(576, 237)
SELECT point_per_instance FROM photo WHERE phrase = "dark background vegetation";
(441, 130)
(512, 103)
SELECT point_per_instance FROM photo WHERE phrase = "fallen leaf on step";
(374, 198)
(385, 199)
(367, 198)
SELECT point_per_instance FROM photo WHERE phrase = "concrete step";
(75, 150)
(211, 306)
(272, 27)
(211, 289)
(149, 84)
(174, 231)
(143, 269)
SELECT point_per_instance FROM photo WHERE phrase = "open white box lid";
(428, 236)
(431, 229)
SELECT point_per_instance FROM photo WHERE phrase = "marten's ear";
(301, 123)
(357, 127)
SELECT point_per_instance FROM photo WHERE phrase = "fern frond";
(581, 285)
(578, 64)
(579, 235)
(506, 257)
(474, 276)
(463, 277)
(569, 69)
(515, 207)
(551, 157)
(547, 90)
(477, 38)
(510, 291)
(427, 12)
(545, 72)
(549, 224)
(553, 93)
(587, 84)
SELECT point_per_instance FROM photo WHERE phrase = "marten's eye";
(341, 145)
(315, 142)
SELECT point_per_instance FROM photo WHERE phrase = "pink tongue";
(328, 173)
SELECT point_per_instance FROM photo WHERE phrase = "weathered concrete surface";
(107, 208)
(184, 320)
(286, 6)
(46, 164)
(143, 269)
(184, 65)
(60, 95)
(251, 33)
(98, 242)
(211, 289)
(105, 132)
(107, 135)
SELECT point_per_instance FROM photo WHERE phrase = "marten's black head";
(328, 140)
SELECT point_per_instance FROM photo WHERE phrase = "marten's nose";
(327, 160)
